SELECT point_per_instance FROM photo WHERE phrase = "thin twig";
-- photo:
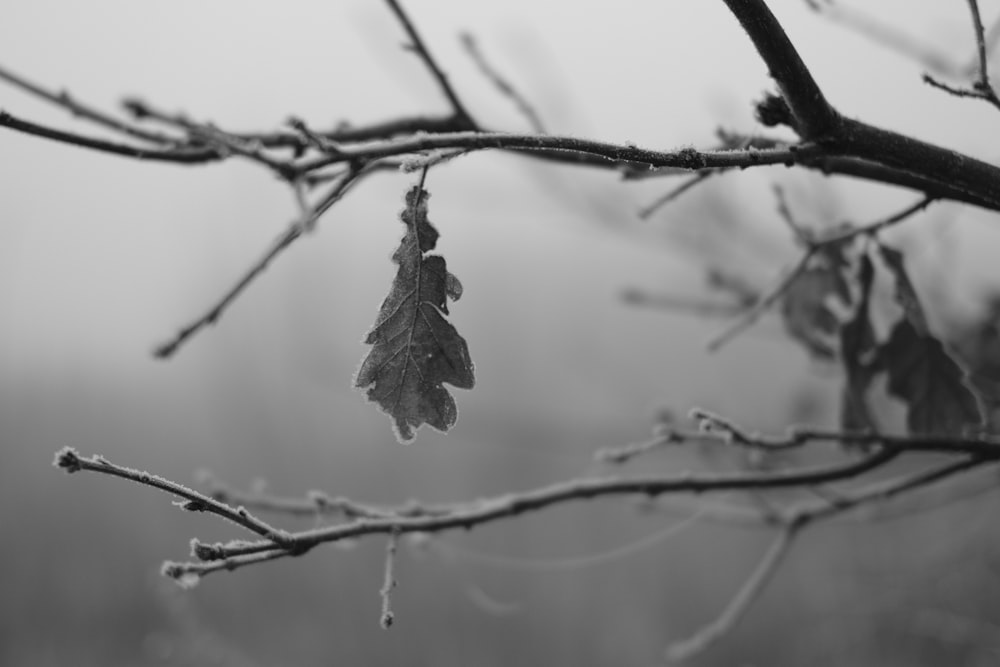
(749, 317)
(387, 617)
(646, 211)
(77, 108)
(69, 460)
(697, 306)
(461, 114)
(888, 35)
(698, 513)
(886, 490)
(318, 141)
(501, 83)
(977, 25)
(716, 429)
(873, 228)
(237, 554)
(289, 236)
(785, 212)
(813, 247)
(733, 612)
(180, 155)
(982, 88)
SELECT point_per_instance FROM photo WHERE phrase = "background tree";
(832, 300)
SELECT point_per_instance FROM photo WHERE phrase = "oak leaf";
(414, 348)
(924, 375)
(859, 354)
(922, 371)
(807, 308)
(906, 295)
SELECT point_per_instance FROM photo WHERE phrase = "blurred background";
(101, 258)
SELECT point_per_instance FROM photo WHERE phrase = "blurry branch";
(646, 211)
(716, 429)
(87, 112)
(504, 86)
(180, 155)
(294, 231)
(791, 524)
(360, 519)
(678, 303)
(389, 582)
(454, 552)
(889, 36)
(813, 245)
(712, 632)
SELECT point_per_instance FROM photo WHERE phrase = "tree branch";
(179, 155)
(238, 554)
(751, 589)
(814, 117)
(289, 236)
(461, 116)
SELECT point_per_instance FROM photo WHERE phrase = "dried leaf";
(978, 348)
(906, 295)
(807, 305)
(414, 348)
(859, 355)
(930, 382)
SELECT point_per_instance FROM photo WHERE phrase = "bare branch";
(612, 154)
(648, 210)
(982, 88)
(289, 236)
(504, 86)
(69, 460)
(461, 115)
(750, 316)
(977, 25)
(711, 633)
(387, 617)
(697, 306)
(180, 155)
(240, 553)
(814, 117)
(813, 247)
(65, 100)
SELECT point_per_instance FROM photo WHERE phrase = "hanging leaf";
(978, 348)
(859, 355)
(414, 348)
(807, 306)
(924, 376)
(906, 295)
